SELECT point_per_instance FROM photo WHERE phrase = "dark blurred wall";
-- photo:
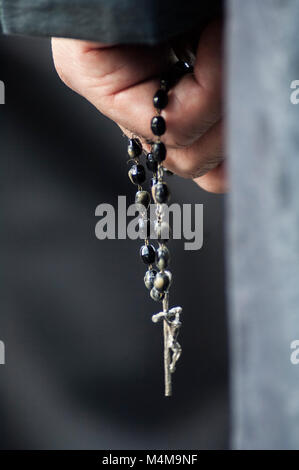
(83, 359)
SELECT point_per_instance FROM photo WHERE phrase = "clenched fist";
(120, 80)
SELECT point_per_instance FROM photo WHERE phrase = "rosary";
(158, 281)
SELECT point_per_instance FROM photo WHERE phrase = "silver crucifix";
(172, 349)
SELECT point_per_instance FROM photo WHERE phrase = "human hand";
(120, 80)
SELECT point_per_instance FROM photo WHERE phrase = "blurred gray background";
(83, 360)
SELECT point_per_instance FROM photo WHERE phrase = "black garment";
(118, 21)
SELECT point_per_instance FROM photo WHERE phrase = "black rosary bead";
(161, 282)
(134, 148)
(143, 197)
(159, 151)
(161, 193)
(148, 254)
(181, 68)
(176, 72)
(151, 163)
(160, 99)
(156, 295)
(137, 174)
(158, 125)
(149, 278)
(163, 257)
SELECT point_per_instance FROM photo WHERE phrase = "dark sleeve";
(116, 21)
(1, 13)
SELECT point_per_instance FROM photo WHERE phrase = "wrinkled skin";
(120, 82)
